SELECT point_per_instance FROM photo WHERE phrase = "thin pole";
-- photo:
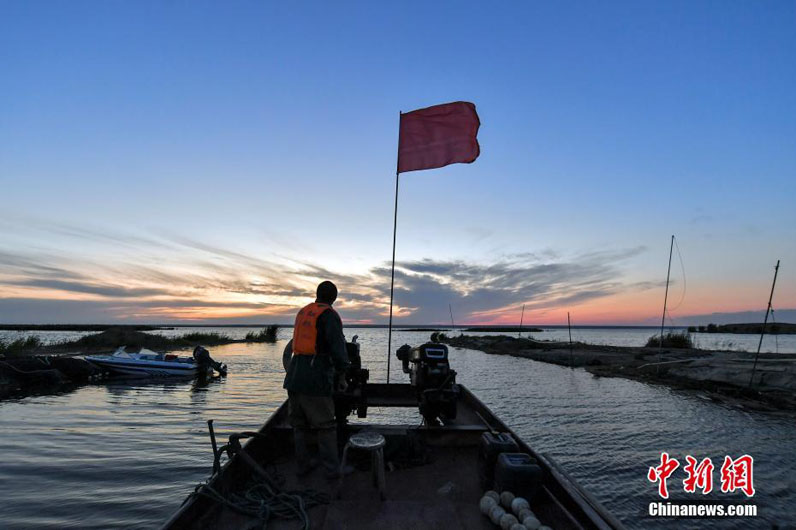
(394, 233)
(765, 321)
(666, 297)
(451, 311)
(522, 315)
(569, 328)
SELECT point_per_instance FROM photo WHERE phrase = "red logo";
(737, 474)
(661, 473)
(699, 476)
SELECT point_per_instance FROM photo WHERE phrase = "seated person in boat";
(314, 359)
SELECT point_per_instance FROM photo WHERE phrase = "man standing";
(314, 359)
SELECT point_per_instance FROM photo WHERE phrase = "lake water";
(126, 454)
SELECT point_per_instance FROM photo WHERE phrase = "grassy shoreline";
(115, 337)
(722, 375)
(772, 328)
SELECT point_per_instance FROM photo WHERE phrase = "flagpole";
(394, 234)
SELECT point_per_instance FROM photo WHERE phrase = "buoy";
(496, 513)
(524, 514)
(519, 504)
(531, 523)
(486, 504)
(507, 521)
(505, 499)
(493, 494)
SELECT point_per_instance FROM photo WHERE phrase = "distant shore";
(75, 327)
(772, 328)
(724, 376)
(505, 329)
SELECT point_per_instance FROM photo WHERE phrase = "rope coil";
(262, 498)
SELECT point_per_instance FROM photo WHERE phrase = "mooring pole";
(522, 315)
(216, 456)
(569, 328)
(666, 297)
(453, 325)
(394, 233)
(765, 321)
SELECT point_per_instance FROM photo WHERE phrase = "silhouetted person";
(313, 359)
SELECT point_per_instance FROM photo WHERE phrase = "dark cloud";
(36, 310)
(19, 264)
(218, 252)
(478, 292)
(268, 289)
(110, 291)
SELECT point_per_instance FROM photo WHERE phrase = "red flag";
(437, 136)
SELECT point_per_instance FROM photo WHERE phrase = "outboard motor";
(204, 361)
(434, 381)
(356, 378)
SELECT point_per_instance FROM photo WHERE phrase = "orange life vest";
(305, 330)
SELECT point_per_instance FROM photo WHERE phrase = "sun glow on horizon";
(196, 282)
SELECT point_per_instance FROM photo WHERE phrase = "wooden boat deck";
(442, 492)
(413, 499)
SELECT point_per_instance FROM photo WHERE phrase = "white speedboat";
(147, 363)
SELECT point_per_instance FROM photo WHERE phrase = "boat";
(432, 478)
(147, 363)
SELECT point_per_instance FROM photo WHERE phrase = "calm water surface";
(126, 454)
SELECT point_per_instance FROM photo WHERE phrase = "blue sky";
(212, 161)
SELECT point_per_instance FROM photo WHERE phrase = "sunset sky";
(167, 162)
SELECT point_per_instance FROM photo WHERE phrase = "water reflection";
(125, 454)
